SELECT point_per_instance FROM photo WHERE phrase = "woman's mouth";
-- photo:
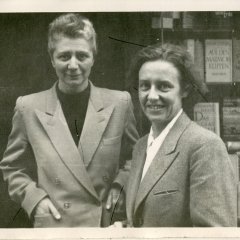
(155, 107)
(73, 76)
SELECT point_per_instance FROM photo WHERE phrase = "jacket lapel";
(55, 125)
(96, 120)
(163, 159)
(136, 174)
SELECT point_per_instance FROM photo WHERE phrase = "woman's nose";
(153, 95)
(73, 64)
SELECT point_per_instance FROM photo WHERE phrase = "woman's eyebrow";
(63, 51)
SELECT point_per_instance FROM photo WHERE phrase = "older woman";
(65, 162)
(181, 175)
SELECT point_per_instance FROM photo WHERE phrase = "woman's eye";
(63, 57)
(82, 57)
(164, 87)
(144, 86)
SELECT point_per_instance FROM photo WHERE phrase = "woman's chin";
(158, 116)
(157, 119)
(74, 85)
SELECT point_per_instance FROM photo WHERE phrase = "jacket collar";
(52, 99)
(76, 158)
(161, 162)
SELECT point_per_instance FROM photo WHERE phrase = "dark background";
(25, 68)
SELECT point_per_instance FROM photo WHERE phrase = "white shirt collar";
(165, 131)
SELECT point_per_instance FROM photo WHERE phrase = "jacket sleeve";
(18, 164)
(213, 186)
(129, 138)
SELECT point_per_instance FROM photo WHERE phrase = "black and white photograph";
(119, 121)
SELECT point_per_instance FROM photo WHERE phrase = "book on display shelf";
(236, 60)
(231, 119)
(218, 60)
(206, 114)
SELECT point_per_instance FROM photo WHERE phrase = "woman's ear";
(186, 90)
(52, 61)
(51, 58)
(93, 61)
(53, 64)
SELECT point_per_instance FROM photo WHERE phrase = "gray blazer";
(42, 159)
(190, 182)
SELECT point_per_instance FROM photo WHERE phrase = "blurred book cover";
(231, 119)
(207, 116)
(236, 60)
(218, 60)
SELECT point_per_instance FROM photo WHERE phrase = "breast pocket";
(166, 192)
(112, 140)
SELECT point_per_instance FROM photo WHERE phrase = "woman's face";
(160, 93)
(72, 60)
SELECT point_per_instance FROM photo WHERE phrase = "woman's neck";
(157, 129)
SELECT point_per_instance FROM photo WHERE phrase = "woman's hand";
(116, 204)
(115, 199)
(46, 206)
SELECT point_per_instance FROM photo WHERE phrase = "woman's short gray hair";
(71, 25)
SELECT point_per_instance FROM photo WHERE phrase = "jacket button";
(105, 178)
(67, 205)
(57, 181)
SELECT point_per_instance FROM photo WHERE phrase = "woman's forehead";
(68, 42)
(158, 67)
(61, 36)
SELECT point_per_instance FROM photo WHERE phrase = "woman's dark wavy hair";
(171, 53)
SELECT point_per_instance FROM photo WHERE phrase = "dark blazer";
(190, 182)
(42, 159)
